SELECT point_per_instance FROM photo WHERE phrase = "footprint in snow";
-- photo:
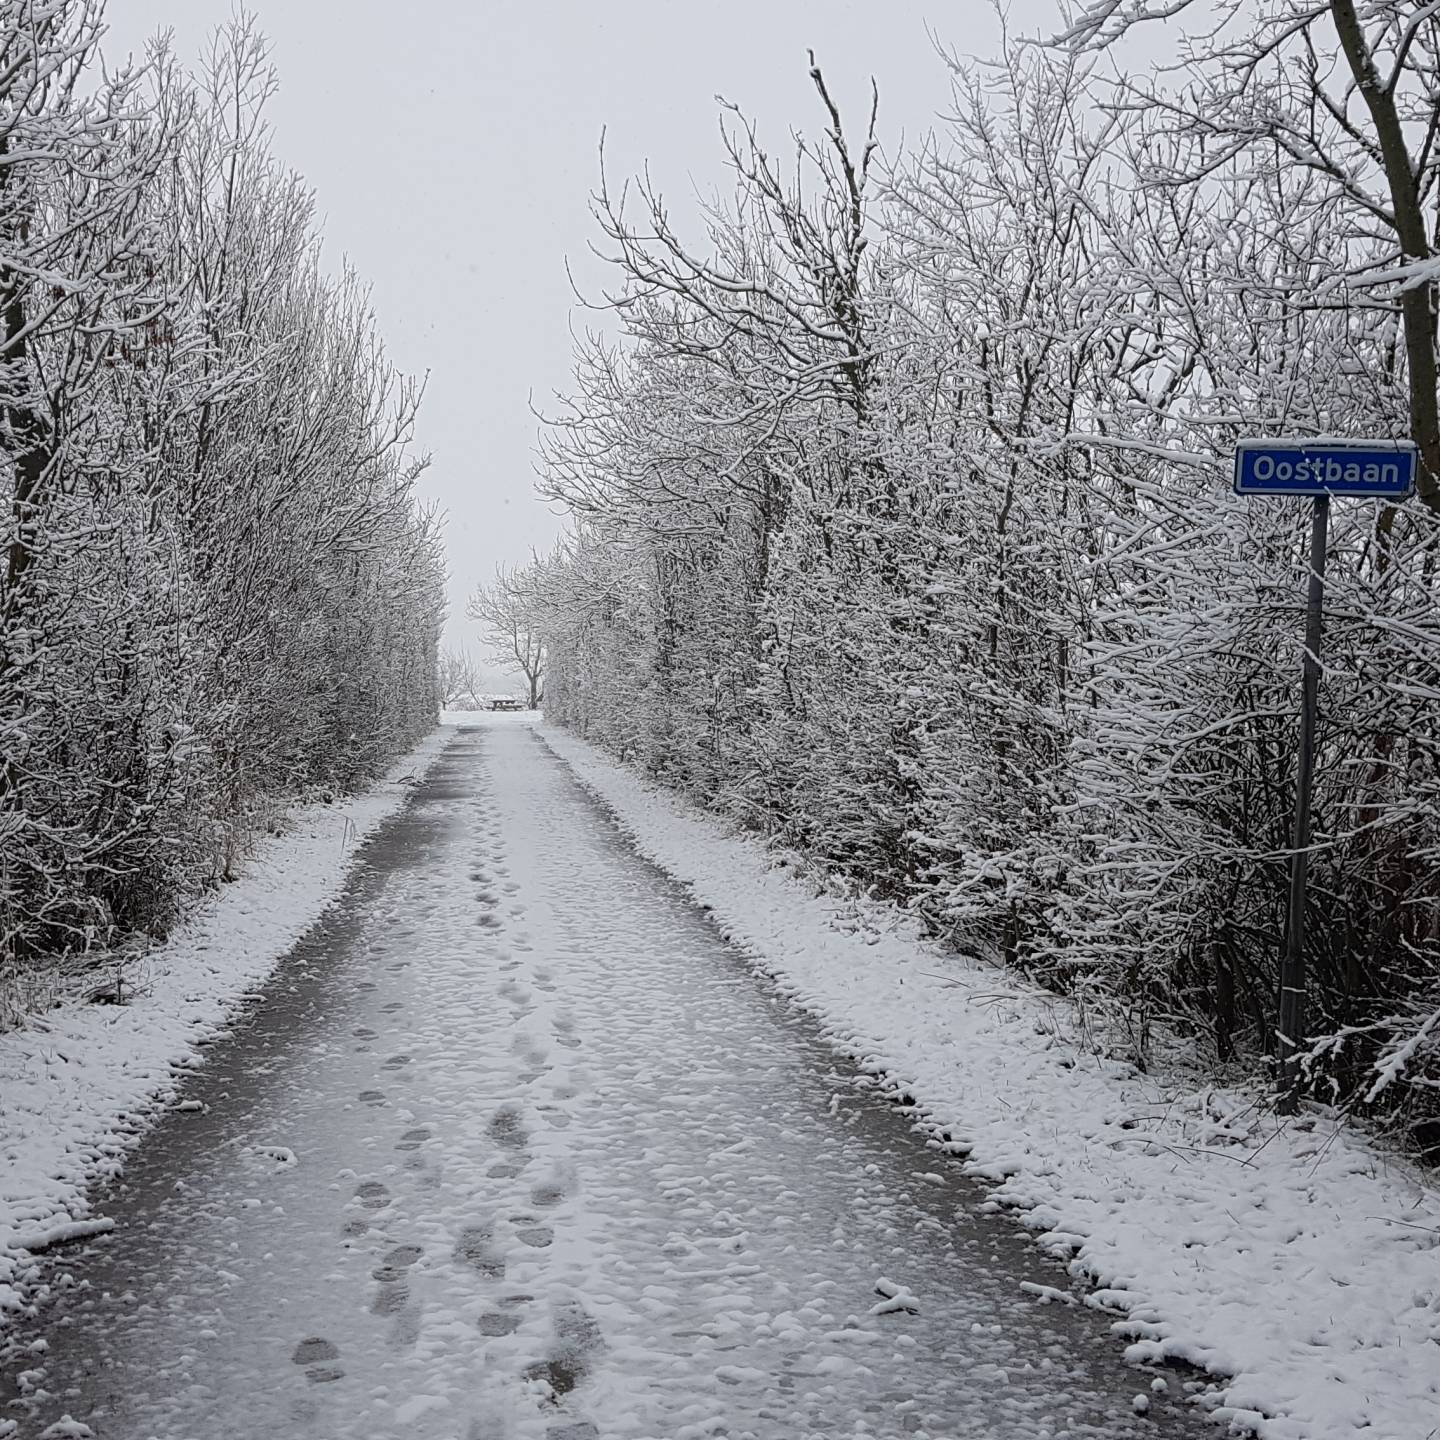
(507, 1128)
(475, 1247)
(312, 1350)
(577, 1334)
(577, 1338)
(406, 1329)
(373, 1195)
(392, 1297)
(556, 1374)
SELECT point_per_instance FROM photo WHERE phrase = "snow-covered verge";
(79, 1084)
(1290, 1258)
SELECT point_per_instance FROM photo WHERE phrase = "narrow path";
(516, 1146)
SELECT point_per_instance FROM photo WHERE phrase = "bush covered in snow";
(216, 588)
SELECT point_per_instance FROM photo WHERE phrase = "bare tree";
(1272, 85)
(507, 610)
(457, 678)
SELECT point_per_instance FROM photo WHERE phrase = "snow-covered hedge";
(903, 532)
(216, 588)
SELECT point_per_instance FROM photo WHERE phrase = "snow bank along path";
(79, 1084)
(1290, 1257)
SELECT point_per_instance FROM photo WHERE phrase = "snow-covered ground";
(490, 717)
(1292, 1257)
(81, 1083)
(515, 1149)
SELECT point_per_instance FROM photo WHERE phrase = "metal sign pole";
(1319, 466)
(1292, 969)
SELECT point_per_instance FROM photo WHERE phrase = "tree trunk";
(1417, 302)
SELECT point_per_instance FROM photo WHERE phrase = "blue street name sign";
(1383, 469)
(1378, 468)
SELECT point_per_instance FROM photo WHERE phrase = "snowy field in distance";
(81, 1083)
(1289, 1256)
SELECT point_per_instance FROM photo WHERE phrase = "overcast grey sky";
(453, 148)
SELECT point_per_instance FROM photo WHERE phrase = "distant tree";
(457, 678)
(507, 610)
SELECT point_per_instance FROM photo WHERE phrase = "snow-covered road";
(517, 1146)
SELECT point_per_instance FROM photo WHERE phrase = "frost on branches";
(902, 528)
(216, 588)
